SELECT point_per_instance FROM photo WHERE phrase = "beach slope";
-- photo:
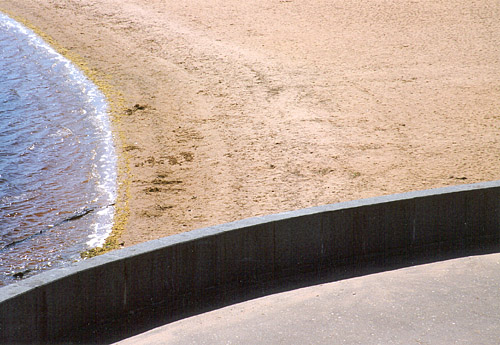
(234, 109)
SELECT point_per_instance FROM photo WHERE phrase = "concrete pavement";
(450, 302)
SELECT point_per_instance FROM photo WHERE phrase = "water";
(57, 160)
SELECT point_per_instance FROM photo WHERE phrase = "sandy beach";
(232, 109)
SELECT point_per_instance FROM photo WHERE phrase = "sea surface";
(57, 159)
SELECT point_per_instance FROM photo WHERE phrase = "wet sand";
(232, 109)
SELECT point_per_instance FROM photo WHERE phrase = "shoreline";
(219, 120)
(91, 183)
(115, 104)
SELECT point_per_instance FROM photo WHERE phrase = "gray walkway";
(449, 302)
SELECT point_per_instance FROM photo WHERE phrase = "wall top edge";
(43, 278)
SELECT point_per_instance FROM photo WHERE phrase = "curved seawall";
(127, 291)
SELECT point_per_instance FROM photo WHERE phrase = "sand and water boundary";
(292, 105)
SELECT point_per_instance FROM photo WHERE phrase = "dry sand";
(256, 107)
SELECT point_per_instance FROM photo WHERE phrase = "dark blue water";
(57, 161)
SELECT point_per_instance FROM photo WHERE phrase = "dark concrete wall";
(127, 291)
